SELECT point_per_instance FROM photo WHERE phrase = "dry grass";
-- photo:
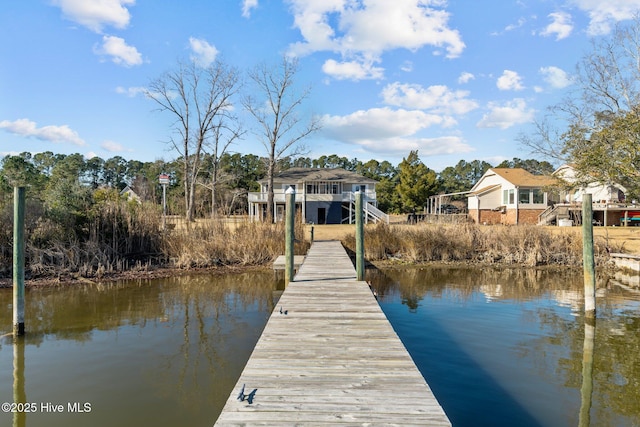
(521, 245)
(211, 243)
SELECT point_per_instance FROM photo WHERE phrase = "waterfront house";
(610, 206)
(323, 196)
(508, 196)
(573, 192)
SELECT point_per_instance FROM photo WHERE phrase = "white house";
(609, 204)
(601, 193)
(508, 196)
(323, 196)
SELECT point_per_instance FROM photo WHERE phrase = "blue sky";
(453, 79)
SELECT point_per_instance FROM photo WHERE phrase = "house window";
(508, 197)
(538, 196)
(524, 197)
(323, 187)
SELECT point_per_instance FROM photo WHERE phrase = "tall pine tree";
(416, 182)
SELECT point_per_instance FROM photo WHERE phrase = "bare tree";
(596, 126)
(276, 113)
(223, 137)
(200, 100)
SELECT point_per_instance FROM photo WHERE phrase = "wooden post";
(587, 257)
(290, 207)
(359, 237)
(18, 260)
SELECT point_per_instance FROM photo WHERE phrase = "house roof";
(522, 177)
(321, 174)
(483, 190)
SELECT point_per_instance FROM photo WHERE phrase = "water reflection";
(586, 390)
(19, 393)
(510, 347)
(164, 352)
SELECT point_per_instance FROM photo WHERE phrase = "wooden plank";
(332, 359)
(279, 262)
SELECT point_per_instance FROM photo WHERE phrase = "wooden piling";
(290, 207)
(588, 261)
(18, 260)
(359, 236)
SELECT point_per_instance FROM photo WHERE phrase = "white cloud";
(438, 98)
(29, 129)
(560, 25)
(131, 92)
(119, 51)
(379, 122)
(385, 130)
(113, 147)
(426, 146)
(352, 70)
(407, 66)
(508, 114)
(203, 53)
(247, 5)
(509, 80)
(364, 30)
(466, 77)
(604, 14)
(96, 14)
(511, 27)
(556, 77)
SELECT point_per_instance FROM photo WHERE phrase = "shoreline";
(70, 279)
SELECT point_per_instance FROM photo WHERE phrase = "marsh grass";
(212, 243)
(516, 245)
(120, 236)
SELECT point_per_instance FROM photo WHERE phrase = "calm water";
(497, 348)
(507, 348)
(155, 353)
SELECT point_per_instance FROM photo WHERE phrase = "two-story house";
(323, 196)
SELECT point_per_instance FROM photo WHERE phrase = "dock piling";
(290, 208)
(587, 257)
(18, 260)
(359, 236)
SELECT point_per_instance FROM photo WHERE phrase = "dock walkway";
(332, 359)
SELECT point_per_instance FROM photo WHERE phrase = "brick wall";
(490, 217)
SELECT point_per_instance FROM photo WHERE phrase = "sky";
(455, 80)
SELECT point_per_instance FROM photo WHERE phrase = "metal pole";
(588, 261)
(290, 207)
(18, 260)
(359, 237)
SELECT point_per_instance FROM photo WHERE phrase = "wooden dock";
(332, 359)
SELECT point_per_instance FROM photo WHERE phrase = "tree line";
(66, 187)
